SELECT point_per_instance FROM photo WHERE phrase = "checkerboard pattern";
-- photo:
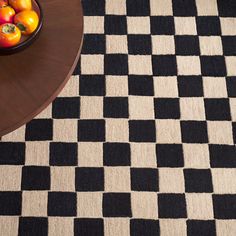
(141, 141)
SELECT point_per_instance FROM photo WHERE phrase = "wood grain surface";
(30, 80)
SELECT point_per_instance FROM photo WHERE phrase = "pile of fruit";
(17, 18)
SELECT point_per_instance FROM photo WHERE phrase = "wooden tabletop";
(31, 80)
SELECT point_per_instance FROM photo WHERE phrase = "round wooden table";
(30, 80)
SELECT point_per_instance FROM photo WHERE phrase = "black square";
(167, 108)
(61, 204)
(66, 108)
(88, 226)
(39, 130)
(141, 85)
(172, 206)
(77, 70)
(35, 178)
(208, 25)
(164, 65)
(227, 8)
(91, 130)
(190, 86)
(116, 64)
(144, 227)
(184, 8)
(93, 8)
(217, 109)
(37, 226)
(231, 86)
(115, 25)
(198, 181)
(142, 131)
(169, 155)
(63, 154)
(10, 203)
(138, 7)
(116, 205)
(12, 153)
(234, 132)
(94, 44)
(229, 45)
(139, 44)
(194, 131)
(222, 156)
(162, 25)
(187, 45)
(213, 66)
(116, 154)
(89, 179)
(144, 179)
(224, 206)
(201, 227)
(92, 85)
(116, 107)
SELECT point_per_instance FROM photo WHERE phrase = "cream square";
(224, 181)
(116, 44)
(92, 64)
(46, 113)
(188, 65)
(173, 227)
(210, 46)
(37, 153)
(232, 102)
(214, 87)
(117, 130)
(192, 109)
(228, 25)
(171, 180)
(63, 179)
(117, 179)
(91, 107)
(166, 87)
(199, 206)
(185, 26)
(60, 226)
(90, 154)
(168, 131)
(117, 7)
(196, 156)
(220, 132)
(116, 226)
(163, 44)
(72, 87)
(207, 9)
(226, 227)
(15, 136)
(65, 130)
(140, 65)
(93, 24)
(10, 178)
(141, 108)
(34, 203)
(117, 86)
(161, 8)
(89, 204)
(138, 25)
(143, 155)
(144, 205)
(230, 65)
(9, 225)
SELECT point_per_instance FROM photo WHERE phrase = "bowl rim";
(30, 39)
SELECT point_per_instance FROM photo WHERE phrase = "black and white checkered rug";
(141, 141)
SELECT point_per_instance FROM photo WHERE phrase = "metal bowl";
(26, 41)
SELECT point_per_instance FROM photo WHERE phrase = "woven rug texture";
(141, 141)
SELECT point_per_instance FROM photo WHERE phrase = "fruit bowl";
(26, 41)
